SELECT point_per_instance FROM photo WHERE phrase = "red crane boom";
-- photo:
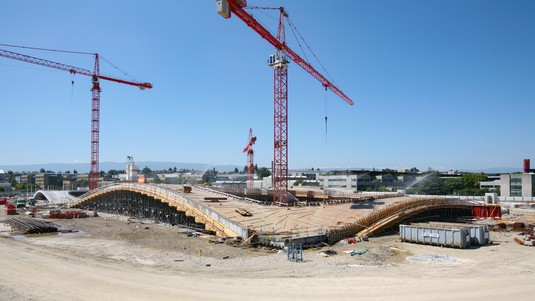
(71, 69)
(236, 6)
(95, 99)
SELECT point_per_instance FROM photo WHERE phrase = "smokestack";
(527, 168)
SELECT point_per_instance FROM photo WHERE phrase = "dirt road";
(95, 265)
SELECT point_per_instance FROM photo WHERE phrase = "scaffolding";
(295, 252)
(142, 207)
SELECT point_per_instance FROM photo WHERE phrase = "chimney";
(527, 168)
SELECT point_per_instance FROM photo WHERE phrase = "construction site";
(131, 239)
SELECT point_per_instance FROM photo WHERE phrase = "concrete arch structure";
(387, 217)
(212, 220)
(58, 196)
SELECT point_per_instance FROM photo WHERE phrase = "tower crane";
(95, 98)
(250, 159)
(279, 62)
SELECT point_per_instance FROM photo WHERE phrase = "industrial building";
(362, 180)
(49, 181)
(518, 184)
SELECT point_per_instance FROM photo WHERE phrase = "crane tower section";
(250, 159)
(279, 62)
(95, 97)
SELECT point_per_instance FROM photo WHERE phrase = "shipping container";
(479, 234)
(437, 235)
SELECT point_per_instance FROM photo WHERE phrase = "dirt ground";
(112, 258)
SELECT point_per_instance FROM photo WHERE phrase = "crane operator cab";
(278, 60)
(94, 80)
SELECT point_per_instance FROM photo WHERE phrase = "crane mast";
(95, 99)
(250, 159)
(279, 62)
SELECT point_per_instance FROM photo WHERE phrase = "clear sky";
(441, 84)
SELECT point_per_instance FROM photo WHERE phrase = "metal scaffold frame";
(142, 207)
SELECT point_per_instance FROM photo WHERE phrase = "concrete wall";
(505, 185)
(527, 185)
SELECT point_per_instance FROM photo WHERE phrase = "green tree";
(75, 171)
(236, 170)
(472, 180)
(20, 186)
(146, 171)
(432, 184)
(113, 172)
(42, 170)
(263, 172)
(453, 185)
(83, 183)
(157, 180)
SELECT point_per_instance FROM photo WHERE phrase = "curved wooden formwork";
(202, 214)
(389, 216)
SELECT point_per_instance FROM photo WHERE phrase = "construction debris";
(353, 252)
(526, 240)
(30, 226)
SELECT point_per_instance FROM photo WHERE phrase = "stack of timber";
(243, 211)
(30, 226)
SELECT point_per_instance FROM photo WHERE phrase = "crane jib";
(65, 67)
(238, 10)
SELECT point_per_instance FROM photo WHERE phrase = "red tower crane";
(279, 62)
(250, 159)
(95, 99)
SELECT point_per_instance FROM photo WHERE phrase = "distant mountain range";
(495, 170)
(84, 167)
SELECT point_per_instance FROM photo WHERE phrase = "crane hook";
(72, 85)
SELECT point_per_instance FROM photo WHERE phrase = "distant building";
(363, 180)
(131, 171)
(3, 176)
(493, 184)
(519, 185)
(28, 178)
(6, 187)
(49, 181)
(229, 184)
(70, 182)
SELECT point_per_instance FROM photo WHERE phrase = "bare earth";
(113, 259)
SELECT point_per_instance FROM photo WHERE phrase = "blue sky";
(441, 84)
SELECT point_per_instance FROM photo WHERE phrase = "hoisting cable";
(325, 114)
(310, 49)
(46, 49)
(294, 30)
(123, 72)
(72, 86)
